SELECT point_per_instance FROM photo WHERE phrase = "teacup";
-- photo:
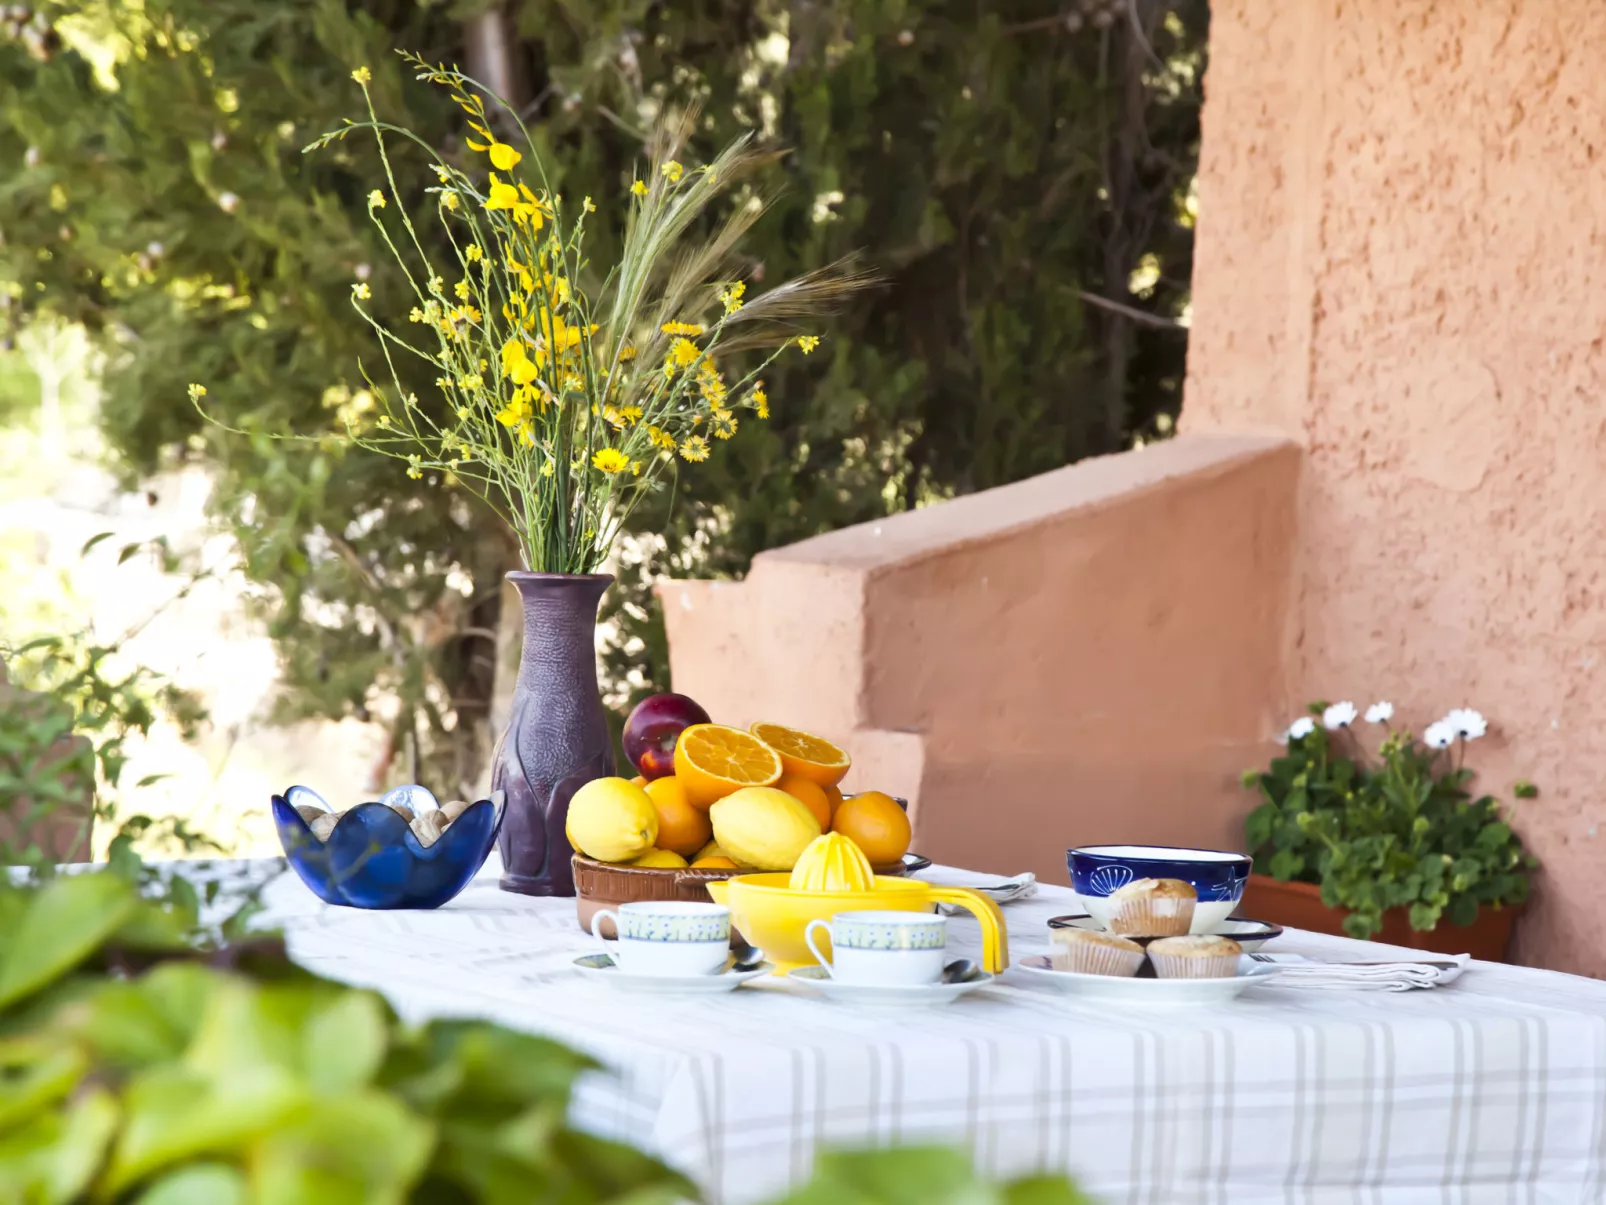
(668, 937)
(882, 948)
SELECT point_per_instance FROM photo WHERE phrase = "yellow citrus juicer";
(773, 917)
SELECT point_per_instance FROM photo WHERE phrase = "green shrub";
(1398, 830)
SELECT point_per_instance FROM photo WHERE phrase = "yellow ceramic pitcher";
(773, 917)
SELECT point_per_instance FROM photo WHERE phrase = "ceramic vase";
(557, 738)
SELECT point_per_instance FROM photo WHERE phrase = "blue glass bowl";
(373, 859)
(1217, 875)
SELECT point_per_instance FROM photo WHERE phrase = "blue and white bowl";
(1097, 871)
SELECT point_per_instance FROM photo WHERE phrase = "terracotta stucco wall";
(1091, 655)
(1402, 265)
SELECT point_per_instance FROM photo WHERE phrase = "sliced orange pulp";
(804, 754)
(712, 760)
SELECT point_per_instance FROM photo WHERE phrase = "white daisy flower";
(1438, 735)
(1468, 724)
(1302, 727)
(1380, 713)
(1339, 715)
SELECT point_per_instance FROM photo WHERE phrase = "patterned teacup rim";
(884, 930)
(670, 921)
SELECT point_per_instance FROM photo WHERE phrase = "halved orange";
(804, 754)
(712, 760)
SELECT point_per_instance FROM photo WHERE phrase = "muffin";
(1152, 908)
(1198, 957)
(1095, 953)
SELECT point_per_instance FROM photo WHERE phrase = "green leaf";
(1285, 864)
(1044, 1190)
(95, 539)
(345, 1041)
(198, 1184)
(65, 923)
(905, 1176)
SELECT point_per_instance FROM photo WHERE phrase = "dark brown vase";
(557, 739)
(1299, 906)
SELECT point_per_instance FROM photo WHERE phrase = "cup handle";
(994, 932)
(808, 940)
(596, 928)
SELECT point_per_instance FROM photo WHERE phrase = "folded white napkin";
(1435, 970)
(1001, 890)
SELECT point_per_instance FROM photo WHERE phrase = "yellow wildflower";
(724, 423)
(503, 157)
(659, 438)
(639, 189)
(682, 328)
(415, 315)
(635, 468)
(626, 354)
(441, 173)
(449, 199)
(732, 297)
(620, 417)
(683, 353)
(384, 420)
(415, 468)
(443, 382)
(361, 291)
(587, 207)
(461, 289)
(515, 412)
(362, 75)
(376, 199)
(473, 253)
(462, 412)
(760, 400)
(610, 460)
(520, 202)
(694, 449)
(473, 381)
(197, 392)
(808, 343)
(546, 469)
(672, 171)
(435, 284)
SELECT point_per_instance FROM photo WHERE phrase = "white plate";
(1131, 990)
(602, 968)
(1249, 934)
(911, 995)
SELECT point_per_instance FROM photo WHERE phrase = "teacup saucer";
(1125, 989)
(602, 967)
(876, 995)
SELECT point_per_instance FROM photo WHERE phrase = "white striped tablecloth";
(1491, 1090)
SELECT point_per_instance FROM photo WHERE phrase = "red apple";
(654, 727)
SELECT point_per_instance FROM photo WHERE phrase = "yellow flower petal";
(503, 157)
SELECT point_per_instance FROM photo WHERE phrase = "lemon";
(762, 828)
(611, 820)
(832, 863)
(711, 850)
(659, 857)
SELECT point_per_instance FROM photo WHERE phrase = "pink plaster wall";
(1402, 265)
(1092, 655)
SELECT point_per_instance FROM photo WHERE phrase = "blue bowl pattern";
(1100, 870)
(373, 859)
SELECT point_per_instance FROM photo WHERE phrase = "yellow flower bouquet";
(571, 391)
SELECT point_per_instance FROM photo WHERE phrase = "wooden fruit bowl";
(599, 885)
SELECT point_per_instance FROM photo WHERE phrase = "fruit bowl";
(773, 917)
(599, 885)
(373, 859)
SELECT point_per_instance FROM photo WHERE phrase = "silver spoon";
(746, 958)
(961, 970)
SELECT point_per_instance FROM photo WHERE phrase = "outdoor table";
(1492, 1089)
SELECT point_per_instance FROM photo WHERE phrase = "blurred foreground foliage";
(1019, 170)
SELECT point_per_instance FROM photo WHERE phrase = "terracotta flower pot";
(1299, 906)
(557, 739)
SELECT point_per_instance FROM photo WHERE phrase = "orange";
(717, 861)
(681, 827)
(811, 795)
(712, 760)
(833, 796)
(807, 756)
(876, 824)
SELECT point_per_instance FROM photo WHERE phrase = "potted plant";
(559, 391)
(1390, 844)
